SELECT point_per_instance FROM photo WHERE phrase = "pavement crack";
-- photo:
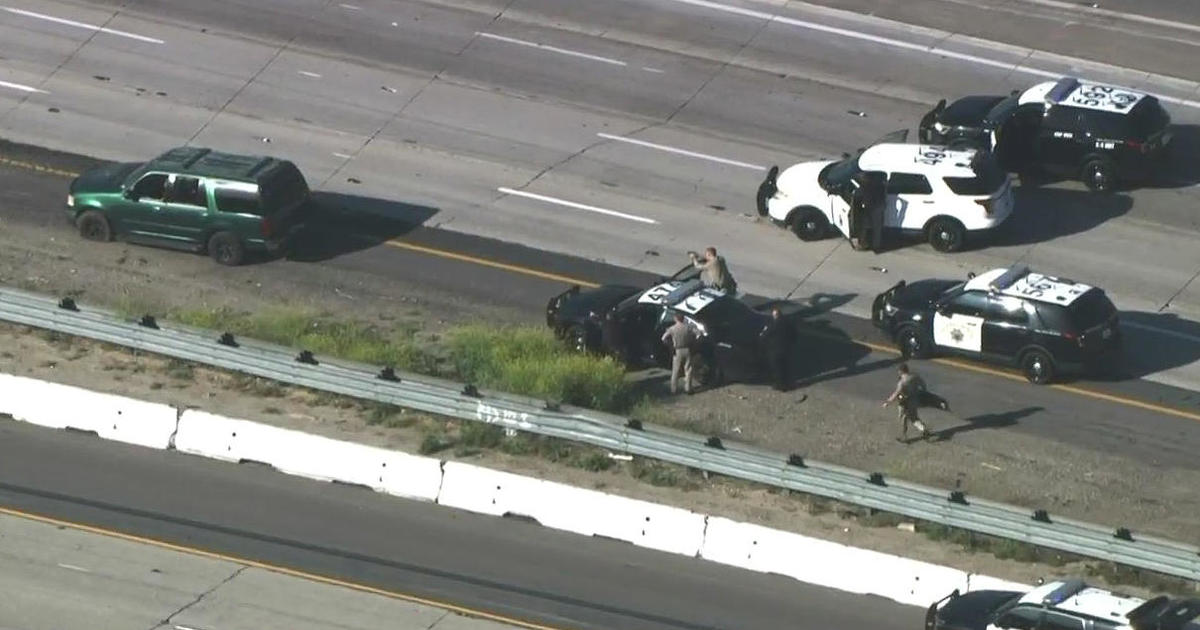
(438, 620)
(1183, 288)
(724, 66)
(169, 620)
(813, 270)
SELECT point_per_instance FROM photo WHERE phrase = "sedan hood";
(104, 179)
(921, 293)
(595, 300)
(974, 609)
(968, 111)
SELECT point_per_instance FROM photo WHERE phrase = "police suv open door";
(857, 212)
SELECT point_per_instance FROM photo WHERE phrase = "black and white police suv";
(628, 322)
(1100, 134)
(942, 195)
(1060, 605)
(1042, 324)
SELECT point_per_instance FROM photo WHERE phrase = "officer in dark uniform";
(866, 210)
(778, 338)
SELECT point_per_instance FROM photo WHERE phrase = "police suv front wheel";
(1038, 367)
(946, 234)
(809, 224)
(913, 343)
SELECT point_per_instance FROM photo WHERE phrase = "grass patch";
(180, 370)
(662, 474)
(531, 361)
(390, 416)
(320, 334)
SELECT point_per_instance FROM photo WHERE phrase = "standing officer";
(908, 395)
(777, 339)
(714, 272)
(680, 337)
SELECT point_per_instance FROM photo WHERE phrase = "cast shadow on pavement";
(1154, 342)
(336, 224)
(985, 421)
(1044, 214)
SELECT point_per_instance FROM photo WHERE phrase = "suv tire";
(809, 224)
(946, 234)
(1037, 366)
(1099, 175)
(913, 343)
(227, 249)
(94, 226)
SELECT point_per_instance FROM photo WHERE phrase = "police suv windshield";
(1001, 111)
(837, 176)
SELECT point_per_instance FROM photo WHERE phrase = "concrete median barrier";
(307, 455)
(572, 509)
(111, 417)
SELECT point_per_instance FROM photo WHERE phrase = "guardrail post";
(471, 390)
(1123, 533)
(796, 460)
(388, 374)
(227, 340)
(634, 424)
(68, 304)
(877, 479)
(306, 357)
(1041, 516)
(148, 321)
(714, 442)
(956, 496)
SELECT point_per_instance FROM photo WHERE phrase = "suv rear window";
(1090, 309)
(989, 177)
(237, 201)
(1148, 118)
(284, 188)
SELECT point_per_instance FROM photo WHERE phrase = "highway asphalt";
(492, 564)
(610, 129)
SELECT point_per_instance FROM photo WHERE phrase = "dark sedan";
(628, 322)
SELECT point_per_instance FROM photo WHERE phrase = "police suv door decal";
(839, 214)
(961, 332)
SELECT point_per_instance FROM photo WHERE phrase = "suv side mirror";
(130, 194)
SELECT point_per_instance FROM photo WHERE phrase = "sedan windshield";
(837, 175)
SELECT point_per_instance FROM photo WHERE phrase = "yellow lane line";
(36, 167)
(491, 263)
(537, 273)
(463, 610)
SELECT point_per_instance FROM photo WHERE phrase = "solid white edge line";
(306, 73)
(669, 149)
(561, 51)
(577, 206)
(1162, 331)
(73, 568)
(1109, 13)
(22, 88)
(897, 43)
(85, 25)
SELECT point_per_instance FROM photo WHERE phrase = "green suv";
(195, 199)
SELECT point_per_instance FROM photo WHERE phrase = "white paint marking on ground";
(343, 156)
(553, 49)
(350, 7)
(899, 43)
(73, 568)
(577, 206)
(91, 27)
(663, 147)
(1163, 331)
(654, 70)
(1132, 17)
(22, 88)
(308, 74)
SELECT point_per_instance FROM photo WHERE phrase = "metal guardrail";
(465, 402)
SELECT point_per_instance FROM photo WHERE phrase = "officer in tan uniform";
(714, 272)
(907, 394)
(680, 336)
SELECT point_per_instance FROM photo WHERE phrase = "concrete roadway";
(118, 583)
(512, 120)
(249, 514)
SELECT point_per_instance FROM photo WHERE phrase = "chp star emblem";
(956, 334)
